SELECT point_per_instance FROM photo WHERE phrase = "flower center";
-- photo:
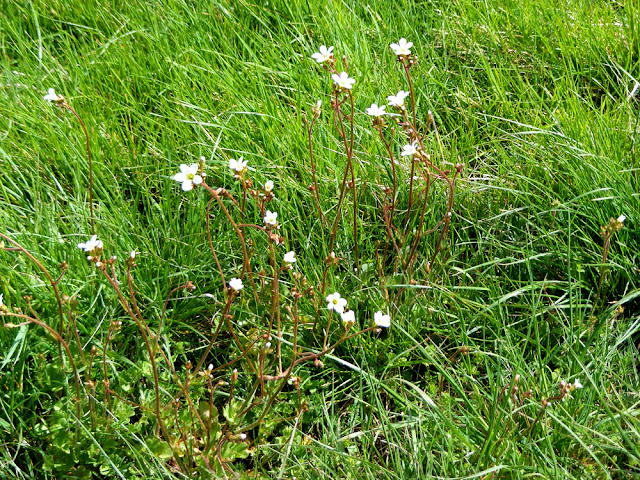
(335, 301)
(190, 176)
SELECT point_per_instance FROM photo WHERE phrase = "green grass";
(533, 97)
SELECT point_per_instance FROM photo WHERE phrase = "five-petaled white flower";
(238, 165)
(52, 96)
(268, 186)
(270, 218)
(382, 320)
(621, 219)
(290, 257)
(343, 80)
(324, 55)
(236, 284)
(188, 176)
(575, 385)
(92, 244)
(409, 150)
(348, 317)
(335, 302)
(376, 111)
(397, 100)
(402, 47)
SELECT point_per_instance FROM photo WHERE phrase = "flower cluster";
(402, 48)
(238, 166)
(343, 81)
(338, 304)
(397, 100)
(53, 97)
(188, 176)
(271, 218)
(381, 320)
(93, 245)
(324, 55)
(236, 284)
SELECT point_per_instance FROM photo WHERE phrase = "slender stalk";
(316, 193)
(86, 136)
(245, 254)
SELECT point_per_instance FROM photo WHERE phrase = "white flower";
(210, 367)
(188, 176)
(402, 47)
(397, 100)
(324, 55)
(576, 385)
(382, 320)
(335, 302)
(52, 96)
(343, 80)
(348, 317)
(236, 284)
(238, 165)
(91, 244)
(290, 257)
(268, 186)
(621, 219)
(376, 111)
(270, 218)
(409, 150)
(1, 298)
(132, 255)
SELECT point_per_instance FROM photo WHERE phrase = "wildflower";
(409, 150)
(382, 320)
(210, 367)
(53, 97)
(290, 257)
(92, 244)
(188, 176)
(621, 219)
(397, 100)
(236, 284)
(349, 318)
(402, 47)
(324, 55)
(317, 109)
(335, 302)
(1, 298)
(376, 111)
(268, 186)
(343, 80)
(575, 385)
(132, 255)
(239, 165)
(270, 218)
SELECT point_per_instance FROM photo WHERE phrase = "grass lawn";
(505, 250)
